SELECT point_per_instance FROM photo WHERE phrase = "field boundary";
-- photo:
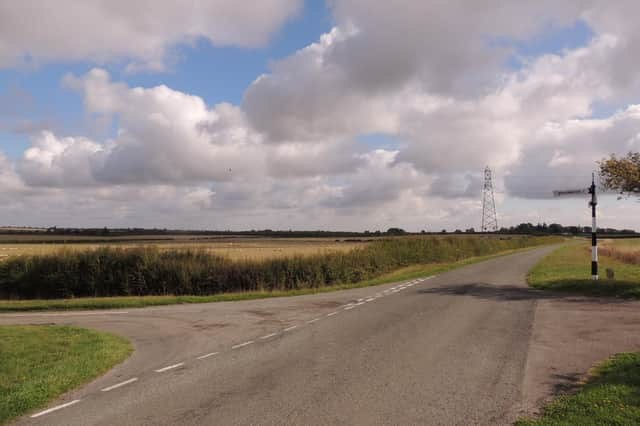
(126, 302)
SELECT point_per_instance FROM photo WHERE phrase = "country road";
(471, 346)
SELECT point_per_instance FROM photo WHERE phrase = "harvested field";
(626, 251)
(237, 248)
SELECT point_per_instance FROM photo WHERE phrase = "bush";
(149, 271)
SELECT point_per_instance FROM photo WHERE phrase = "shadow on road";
(513, 293)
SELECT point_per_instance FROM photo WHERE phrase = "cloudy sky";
(344, 114)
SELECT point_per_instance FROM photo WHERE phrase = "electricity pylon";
(489, 217)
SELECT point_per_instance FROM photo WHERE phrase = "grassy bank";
(147, 271)
(39, 363)
(568, 269)
(402, 274)
(610, 397)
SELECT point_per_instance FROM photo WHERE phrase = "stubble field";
(236, 248)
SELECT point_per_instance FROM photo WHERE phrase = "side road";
(471, 346)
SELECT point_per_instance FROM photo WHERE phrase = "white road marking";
(360, 300)
(290, 328)
(349, 307)
(371, 299)
(208, 355)
(65, 314)
(126, 382)
(56, 408)
(241, 345)
(333, 313)
(313, 320)
(171, 367)
(361, 303)
(268, 336)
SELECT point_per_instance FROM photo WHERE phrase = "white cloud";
(53, 161)
(164, 136)
(426, 74)
(141, 33)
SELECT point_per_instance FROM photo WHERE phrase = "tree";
(622, 174)
(396, 231)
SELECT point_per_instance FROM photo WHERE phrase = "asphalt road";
(450, 350)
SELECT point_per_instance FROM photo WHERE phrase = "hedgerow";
(150, 271)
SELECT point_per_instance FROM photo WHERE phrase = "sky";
(291, 114)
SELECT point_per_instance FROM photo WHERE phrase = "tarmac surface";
(471, 346)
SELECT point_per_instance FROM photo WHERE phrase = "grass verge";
(610, 397)
(39, 363)
(407, 273)
(568, 270)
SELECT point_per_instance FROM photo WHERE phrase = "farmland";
(568, 269)
(163, 270)
(237, 248)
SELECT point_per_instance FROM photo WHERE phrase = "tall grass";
(625, 256)
(149, 271)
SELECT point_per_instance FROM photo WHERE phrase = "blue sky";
(216, 74)
(221, 74)
(320, 141)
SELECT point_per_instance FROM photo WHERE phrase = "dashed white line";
(333, 313)
(56, 408)
(241, 345)
(358, 304)
(313, 320)
(117, 385)
(371, 299)
(349, 307)
(268, 336)
(290, 328)
(171, 367)
(205, 356)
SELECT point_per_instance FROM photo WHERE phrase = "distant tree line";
(557, 229)
(114, 233)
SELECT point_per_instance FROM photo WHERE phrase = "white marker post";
(594, 236)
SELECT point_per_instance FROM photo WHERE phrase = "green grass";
(39, 363)
(568, 269)
(402, 274)
(610, 397)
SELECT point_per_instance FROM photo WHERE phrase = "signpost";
(594, 236)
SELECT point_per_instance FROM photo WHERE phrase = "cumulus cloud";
(141, 32)
(563, 155)
(430, 75)
(53, 161)
(164, 136)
